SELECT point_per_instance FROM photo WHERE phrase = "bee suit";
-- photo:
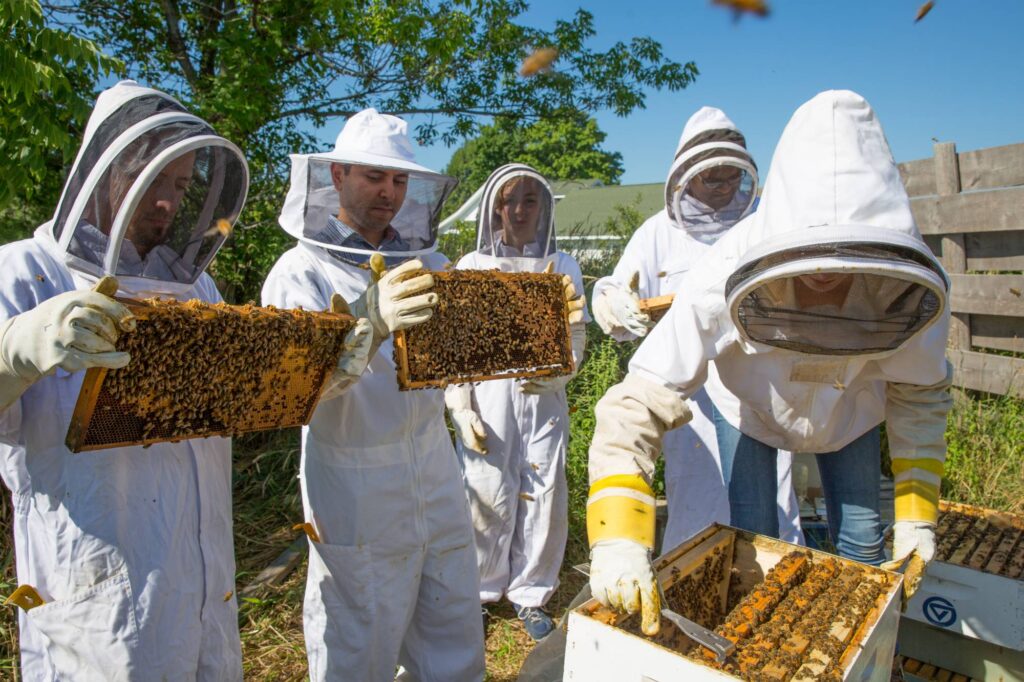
(667, 246)
(130, 548)
(392, 574)
(808, 375)
(516, 486)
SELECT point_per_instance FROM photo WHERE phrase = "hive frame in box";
(972, 602)
(298, 395)
(403, 339)
(597, 651)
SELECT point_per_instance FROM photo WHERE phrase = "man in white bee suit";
(392, 571)
(125, 555)
(711, 185)
(824, 314)
(512, 433)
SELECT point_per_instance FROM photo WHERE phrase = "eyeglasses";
(721, 183)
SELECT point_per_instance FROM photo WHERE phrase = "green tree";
(45, 85)
(265, 73)
(567, 147)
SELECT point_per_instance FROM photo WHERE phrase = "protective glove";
(388, 301)
(909, 537)
(618, 310)
(470, 428)
(622, 578)
(74, 331)
(355, 354)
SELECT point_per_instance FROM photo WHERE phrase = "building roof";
(585, 211)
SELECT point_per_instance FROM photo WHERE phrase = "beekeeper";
(392, 571)
(711, 185)
(512, 433)
(825, 314)
(124, 556)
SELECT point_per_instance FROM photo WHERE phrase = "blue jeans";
(849, 477)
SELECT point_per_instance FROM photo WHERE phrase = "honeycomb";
(979, 539)
(801, 622)
(487, 325)
(201, 369)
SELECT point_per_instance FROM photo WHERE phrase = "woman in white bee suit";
(513, 434)
(825, 314)
(711, 185)
(392, 570)
(128, 550)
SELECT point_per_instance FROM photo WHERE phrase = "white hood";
(687, 212)
(152, 196)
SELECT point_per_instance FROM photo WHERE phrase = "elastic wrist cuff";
(916, 501)
(621, 507)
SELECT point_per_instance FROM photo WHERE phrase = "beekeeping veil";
(834, 263)
(379, 141)
(527, 244)
(152, 195)
(712, 183)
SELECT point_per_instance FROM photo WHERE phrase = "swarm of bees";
(487, 325)
(200, 369)
(799, 623)
(986, 543)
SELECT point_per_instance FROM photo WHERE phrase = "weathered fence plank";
(986, 372)
(992, 167)
(988, 294)
(991, 211)
(997, 333)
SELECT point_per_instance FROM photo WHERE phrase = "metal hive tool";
(202, 369)
(487, 325)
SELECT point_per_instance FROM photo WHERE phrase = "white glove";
(470, 428)
(352, 362)
(74, 331)
(621, 577)
(389, 303)
(617, 310)
(909, 537)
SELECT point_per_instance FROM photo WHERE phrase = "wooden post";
(954, 254)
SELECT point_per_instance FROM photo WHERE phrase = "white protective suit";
(792, 375)
(662, 251)
(131, 548)
(517, 490)
(392, 579)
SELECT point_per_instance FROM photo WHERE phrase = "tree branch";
(177, 44)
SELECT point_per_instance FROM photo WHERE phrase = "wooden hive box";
(487, 325)
(795, 614)
(975, 585)
(200, 369)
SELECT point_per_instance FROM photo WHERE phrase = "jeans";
(849, 478)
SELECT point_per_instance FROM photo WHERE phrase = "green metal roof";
(586, 210)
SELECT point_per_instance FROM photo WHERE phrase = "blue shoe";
(537, 622)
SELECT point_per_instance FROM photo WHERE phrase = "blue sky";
(955, 76)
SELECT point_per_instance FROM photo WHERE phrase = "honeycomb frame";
(470, 338)
(980, 539)
(656, 307)
(201, 369)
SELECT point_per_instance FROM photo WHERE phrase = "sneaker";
(537, 622)
(486, 615)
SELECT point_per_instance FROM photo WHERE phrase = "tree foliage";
(563, 148)
(45, 84)
(266, 73)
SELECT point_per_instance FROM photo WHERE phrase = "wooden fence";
(970, 210)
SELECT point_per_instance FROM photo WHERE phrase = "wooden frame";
(443, 322)
(286, 394)
(657, 306)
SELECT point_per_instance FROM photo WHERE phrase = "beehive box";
(200, 369)
(975, 585)
(795, 614)
(487, 325)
